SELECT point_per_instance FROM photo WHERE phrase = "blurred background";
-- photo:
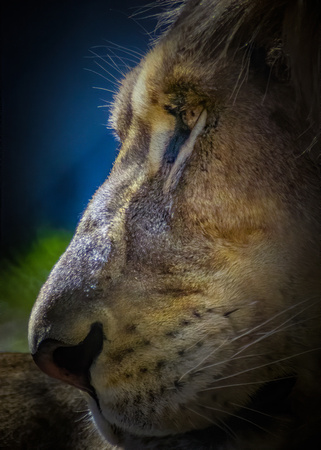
(60, 64)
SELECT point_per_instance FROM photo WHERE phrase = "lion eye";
(184, 151)
(188, 116)
(191, 115)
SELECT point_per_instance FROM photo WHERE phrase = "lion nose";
(71, 364)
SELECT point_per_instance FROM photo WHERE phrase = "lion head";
(193, 280)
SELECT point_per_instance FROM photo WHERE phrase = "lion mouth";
(269, 405)
(72, 364)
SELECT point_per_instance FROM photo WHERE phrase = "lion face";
(193, 278)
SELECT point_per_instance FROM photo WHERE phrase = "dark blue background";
(55, 148)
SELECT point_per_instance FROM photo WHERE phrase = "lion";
(187, 305)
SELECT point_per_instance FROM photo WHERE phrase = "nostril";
(71, 364)
(78, 359)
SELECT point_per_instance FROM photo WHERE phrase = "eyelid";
(189, 115)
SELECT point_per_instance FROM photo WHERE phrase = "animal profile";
(187, 305)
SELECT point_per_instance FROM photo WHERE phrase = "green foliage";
(20, 282)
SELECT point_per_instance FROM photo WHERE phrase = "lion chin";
(187, 305)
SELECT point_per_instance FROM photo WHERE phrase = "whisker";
(255, 411)
(123, 62)
(148, 33)
(102, 76)
(112, 63)
(204, 359)
(201, 415)
(195, 343)
(127, 50)
(106, 62)
(247, 383)
(238, 417)
(109, 48)
(232, 358)
(104, 89)
(270, 319)
(142, 9)
(286, 358)
(110, 74)
(228, 430)
(107, 103)
(116, 67)
(248, 332)
(274, 331)
(213, 422)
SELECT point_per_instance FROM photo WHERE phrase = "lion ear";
(290, 33)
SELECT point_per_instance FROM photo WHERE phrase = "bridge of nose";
(92, 279)
(66, 327)
(66, 306)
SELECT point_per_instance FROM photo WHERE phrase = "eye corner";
(171, 109)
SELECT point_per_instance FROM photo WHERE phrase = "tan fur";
(188, 302)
